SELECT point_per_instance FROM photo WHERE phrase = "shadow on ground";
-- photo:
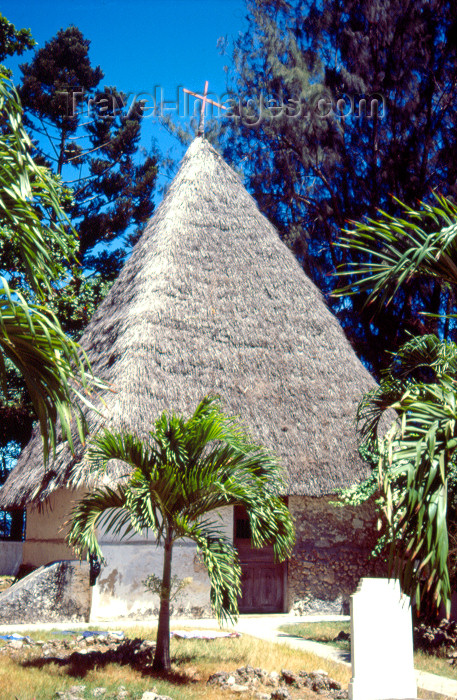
(128, 653)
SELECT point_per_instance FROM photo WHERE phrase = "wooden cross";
(204, 98)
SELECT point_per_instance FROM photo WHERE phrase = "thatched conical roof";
(211, 301)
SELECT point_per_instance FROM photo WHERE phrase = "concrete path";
(267, 627)
(261, 626)
(269, 630)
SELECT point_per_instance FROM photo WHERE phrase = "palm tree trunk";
(162, 653)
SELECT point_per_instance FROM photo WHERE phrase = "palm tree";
(394, 250)
(416, 469)
(186, 470)
(416, 455)
(54, 368)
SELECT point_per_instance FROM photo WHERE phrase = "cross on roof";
(204, 98)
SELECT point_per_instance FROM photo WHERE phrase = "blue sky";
(142, 46)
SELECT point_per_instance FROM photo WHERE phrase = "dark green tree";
(335, 107)
(90, 136)
(13, 41)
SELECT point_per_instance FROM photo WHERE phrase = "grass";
(193, 662)
(326, 632)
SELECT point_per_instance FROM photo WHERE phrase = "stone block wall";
(331, 555)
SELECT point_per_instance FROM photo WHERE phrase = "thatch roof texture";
(211, 301)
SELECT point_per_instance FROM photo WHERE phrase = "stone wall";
(58, 592)
(331, 555)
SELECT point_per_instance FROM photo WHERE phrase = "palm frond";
(373, 406)
(424, 352)
(29, 193)
(127, 447)
(54, 368)
(415, 464)
(222, 564)
(393, 250)
(271, 524)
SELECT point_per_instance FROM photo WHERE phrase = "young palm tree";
(186, 470)
(53, 367)
(417, 473)
(416, 456)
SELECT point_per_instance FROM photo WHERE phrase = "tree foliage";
(13, 41)
(417, 457)
(420, 244)
(31, 339)
(335, 107)
(188, 469)
(90, 136)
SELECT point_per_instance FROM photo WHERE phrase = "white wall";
(46, 530)
(119, 590)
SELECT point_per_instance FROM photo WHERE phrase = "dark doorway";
(262, 580)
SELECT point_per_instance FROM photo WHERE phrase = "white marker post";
(381, 642)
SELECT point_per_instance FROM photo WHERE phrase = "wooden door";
(262, 580)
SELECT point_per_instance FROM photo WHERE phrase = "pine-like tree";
(338, 106)
(13, 41)
(90, 136)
